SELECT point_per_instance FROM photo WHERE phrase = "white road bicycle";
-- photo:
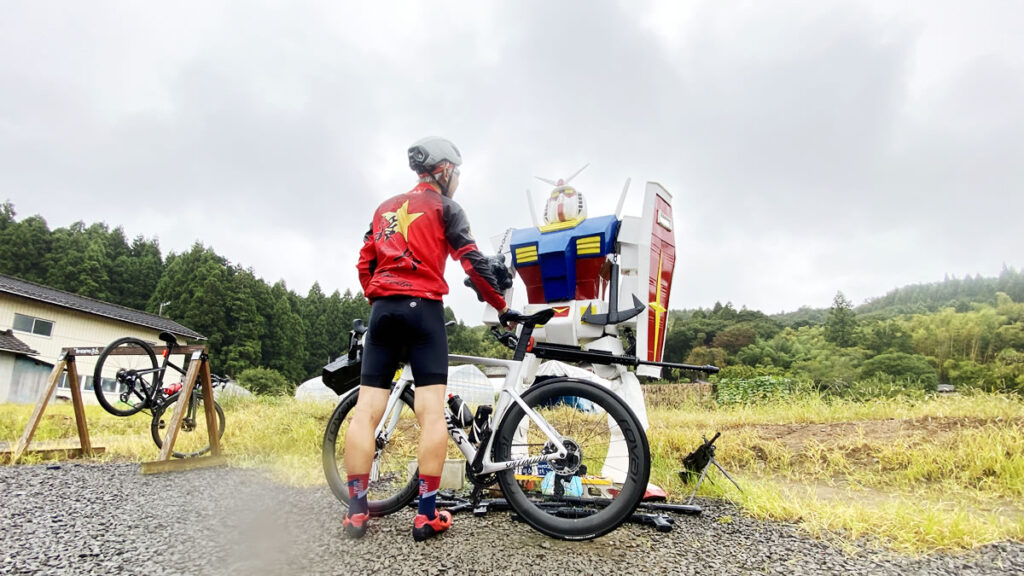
(567, 426)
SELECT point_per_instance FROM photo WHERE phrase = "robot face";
(565, 204)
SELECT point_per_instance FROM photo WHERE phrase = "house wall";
(28, 380)
(6, 374)
(71, 328)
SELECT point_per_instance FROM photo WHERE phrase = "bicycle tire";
(193, 438)
(386, 493)
(587, 517)
(109, 366)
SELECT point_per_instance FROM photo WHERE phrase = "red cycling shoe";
(422, 528)
(354, 525)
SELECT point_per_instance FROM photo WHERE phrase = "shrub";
(901, 366)
(757, 389)
(265, 381)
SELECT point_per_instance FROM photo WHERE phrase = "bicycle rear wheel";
(194, 436)
(394, 477)
(119, 386)
(602, 480)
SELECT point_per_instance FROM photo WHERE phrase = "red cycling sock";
(357, 487)
(428, 495)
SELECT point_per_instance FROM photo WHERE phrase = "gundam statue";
(608, 278)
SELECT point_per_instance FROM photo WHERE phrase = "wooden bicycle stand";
(66, 362)
(199, 367)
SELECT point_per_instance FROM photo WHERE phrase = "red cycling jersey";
(410, 236)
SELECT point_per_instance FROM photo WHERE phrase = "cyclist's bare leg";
(432, 451)
(359, 441)
(433, 431)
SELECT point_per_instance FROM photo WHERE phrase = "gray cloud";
(839, 147)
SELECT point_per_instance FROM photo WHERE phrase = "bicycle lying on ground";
(127, 380)
(572, 427)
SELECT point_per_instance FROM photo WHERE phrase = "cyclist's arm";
(463, 248)
(367, 260)
(478, 269)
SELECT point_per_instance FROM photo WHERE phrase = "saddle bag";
(342, 374)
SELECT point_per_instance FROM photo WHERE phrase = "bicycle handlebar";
(574, 353)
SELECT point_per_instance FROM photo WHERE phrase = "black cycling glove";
(510, 315)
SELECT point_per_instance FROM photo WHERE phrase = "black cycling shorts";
(405, 329)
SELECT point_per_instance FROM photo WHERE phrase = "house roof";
(9, 343)
(38, 292)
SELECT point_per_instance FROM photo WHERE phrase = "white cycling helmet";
(427, 153)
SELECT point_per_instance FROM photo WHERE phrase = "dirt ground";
(796, 436)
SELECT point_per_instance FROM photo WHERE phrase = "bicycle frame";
(480, 457)
(151, 394)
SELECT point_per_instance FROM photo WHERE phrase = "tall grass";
(916, 474)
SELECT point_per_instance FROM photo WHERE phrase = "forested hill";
(248, 323)
(957, 293)
(964, 331)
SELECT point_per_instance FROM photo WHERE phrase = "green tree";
(337, 325)
(314, 317)
(78, 262)
(117, 253)
(24, 246)
(194, 289)
(887, 336)
(142, 268)
(7, 215)
(901, 366)
(734, 338)
(706, 355)
(841, 324)
(242, 347)
(285, 341)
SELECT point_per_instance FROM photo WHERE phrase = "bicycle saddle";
(536, 319)
(169, 339)
(358, 326)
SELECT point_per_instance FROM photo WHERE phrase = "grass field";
(943, 473)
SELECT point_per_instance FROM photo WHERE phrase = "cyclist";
(401, 268)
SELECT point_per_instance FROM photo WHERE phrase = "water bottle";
(481, 423)
(461, 415)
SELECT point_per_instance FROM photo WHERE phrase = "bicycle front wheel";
(599, 484)
(125, 375)
(194, 436)
(394, 477)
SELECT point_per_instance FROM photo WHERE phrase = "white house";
(44, 320)
(21, 376)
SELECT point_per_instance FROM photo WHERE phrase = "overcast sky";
(810, 147)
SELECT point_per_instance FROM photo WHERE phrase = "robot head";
(565, 204)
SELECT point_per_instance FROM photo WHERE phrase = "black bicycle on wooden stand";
(128, 380)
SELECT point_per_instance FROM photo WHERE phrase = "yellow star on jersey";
(401, 219)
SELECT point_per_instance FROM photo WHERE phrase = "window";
(110, 386)
(32, 325)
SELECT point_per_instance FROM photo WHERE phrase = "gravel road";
(85, 518)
